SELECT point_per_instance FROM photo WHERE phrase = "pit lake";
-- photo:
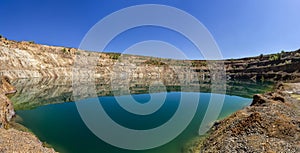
(47, 109)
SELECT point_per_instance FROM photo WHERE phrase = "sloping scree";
(270, 124)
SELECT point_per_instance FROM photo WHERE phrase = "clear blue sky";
(240, 27)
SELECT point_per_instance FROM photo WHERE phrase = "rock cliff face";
(28, 60)
(25, 60)
(6, 107)
(280, 66)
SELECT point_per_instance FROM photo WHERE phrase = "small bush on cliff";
(261, 56)
(275, 57)
(47, 145)
(114, 56)
(64, 50)
(262, 79)
(199, 63)
(154, 62)
(288, 62)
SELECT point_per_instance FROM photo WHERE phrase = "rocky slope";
(280, 66)
(270, 124)
(12, 140)
(27, 60)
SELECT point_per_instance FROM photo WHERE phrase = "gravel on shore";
(270, 124)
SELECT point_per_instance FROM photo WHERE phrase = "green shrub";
(288, 62)
(114, 56)
(261, 56)
(194, 64)
(64, 50)
(154, 62)
(47, 145)
(198, 63)
(275, 57)
(262, 79)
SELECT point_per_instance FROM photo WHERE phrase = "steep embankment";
(6, 107)
(12, 140)
(27, 60)
(270, 124)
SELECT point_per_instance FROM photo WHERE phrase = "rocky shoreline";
(270, 124)
(11, 139)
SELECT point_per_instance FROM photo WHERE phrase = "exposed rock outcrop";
(270, 124)
(28, 60)
(6, 106)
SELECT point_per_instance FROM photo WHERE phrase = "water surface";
(57, 122)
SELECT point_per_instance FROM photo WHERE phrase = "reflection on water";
(43, 91)
(61, 126)
(41, 105)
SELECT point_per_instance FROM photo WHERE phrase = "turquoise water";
(61, 126)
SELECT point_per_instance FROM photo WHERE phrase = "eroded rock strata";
(28, 60)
